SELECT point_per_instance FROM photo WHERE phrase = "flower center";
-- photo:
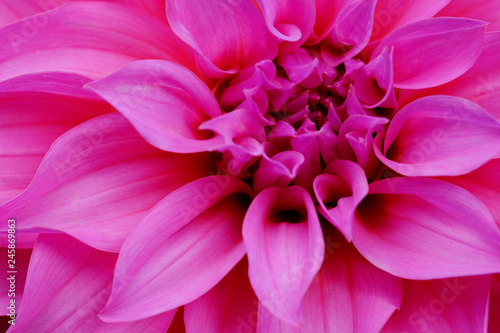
(298, 114)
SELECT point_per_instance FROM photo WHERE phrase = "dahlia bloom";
(250, 166)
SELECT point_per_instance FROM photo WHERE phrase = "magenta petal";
(353, 27)
(20, 258)
(229, 35)
(96, 183)
(494, 320)
(290, 20)
(12, 11)
(174, 103)
(484, 10)
(34, 111)
(480, 84)
(277, 170)
(230, 306)
(339, 190)
(431, 52)
(439, 136)
(187, 256)
(419, 228)
(484, 183)
(348, 295)
(450, 305)
(391, 14)
(285, 249)
(72, 282)
(374, 83)
(96, 52)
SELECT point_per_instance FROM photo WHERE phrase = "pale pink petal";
(230, 35)
(353, 27)
(291, 21)
(439, 136)
(484, 183)
(494, 319)
(230, 306)
(339, 190)
(348, 295)
(34, 111)
(393, 14)
(174, 103)
(431, 52)
(420, 228)
(97, 182)
(480, 84)
(484, 10)
(285, 249)
(19, 259)
(193, 240)
(51, 45)
(448, 306)
(72, 282)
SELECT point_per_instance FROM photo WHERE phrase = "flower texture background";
(250, 166)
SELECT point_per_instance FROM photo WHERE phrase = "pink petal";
(439, 136)
(339, 190)
(47, 42)
(11, 11)
(393, 14)
(34, 111)
(20, 259)
(356, 141)
(484, 10)
(494, 320)
(72, 282)
(374, 83)
(194, 240)
(450, 305)
(174, 102)
(431, 52)
(353, 27)
(229, 35)
(326, 13)
(480, 84)
(291, 21)
(348, 295)
(484, 183)
(98, 180)
(419, 228)
(277, 170)
(230, 306)
(285, 249)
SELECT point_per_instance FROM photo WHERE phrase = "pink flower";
(250, 166)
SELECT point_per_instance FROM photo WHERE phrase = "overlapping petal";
(34, 111)
(97, 182)
(415, 227)
(230, 306)
(51, 44)
(229, 35)
(431, 52)
(72, 282)
(449, 305)
(174, 103)
(193, 240)
(285, 249)
(439, 136)
(348, 295)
